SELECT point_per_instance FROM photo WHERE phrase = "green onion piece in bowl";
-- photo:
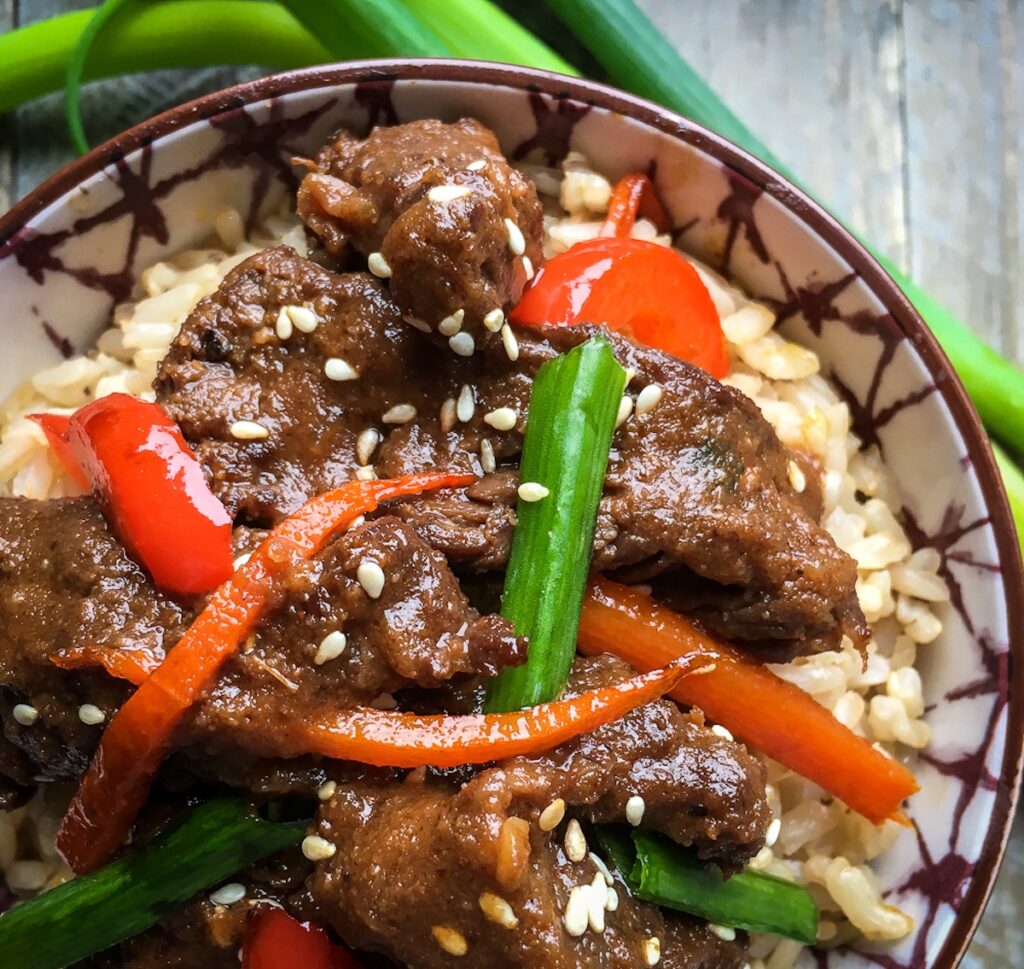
(661, 872)
(89, 914)
(573, 406)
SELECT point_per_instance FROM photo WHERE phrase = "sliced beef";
(436, 201)
(66, 581)
(415, 864)
(420, 631)
(697, 492)
(698, 788)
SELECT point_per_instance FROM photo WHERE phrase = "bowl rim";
(794, 199)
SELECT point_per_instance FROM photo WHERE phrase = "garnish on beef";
(448, 219)
(414, 862)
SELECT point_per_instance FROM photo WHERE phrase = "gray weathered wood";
(964, 81)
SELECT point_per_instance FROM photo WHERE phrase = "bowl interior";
(75, 248)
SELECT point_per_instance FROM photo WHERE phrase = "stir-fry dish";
(460, 575)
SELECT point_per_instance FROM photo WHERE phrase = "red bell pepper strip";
(154, 491)
(135, 743)
(633, 195)
(274, 940)
(56, 427)
(647, 292)
(385, 738)
(758, 707)
(133, 665)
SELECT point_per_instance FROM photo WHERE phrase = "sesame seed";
(378, 265)
(331, 647)
(449, 414)
(532, 491)
(625, 409)
(316, 848)
(466, 406)
(516, 241)
(612, 902)
(487, 461)
(337, 369)
(241, 560)
(90, 714)
(303, 318)
(652, 951)
(501, 419)
(497, 910)
(451, 940)
(327, 790)
(399, 414)
(635, 808)
(248, 431)
(762, 859)
(384, 702)
(797, 478)
(366, 473)
(366, 444)
(577, 912)
(451, 325)
(648, 398)
(724, 732)
(283, 324)
(448, 193)
(596, 898)
(630, 374)
(724, 932)
(575, 843)
(463, 344)
(25, 714)
(493, 321)
(528, 267)
(228, 894)
(356, 522)
(509, 341)
(772, 834)
(476, 166)
(599, 864)
(371, 578)
(551, 816)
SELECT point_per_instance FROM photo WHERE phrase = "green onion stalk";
(573, 407)
(94, 912)
(658, 871)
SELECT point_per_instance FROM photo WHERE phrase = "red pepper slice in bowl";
(152, 488)
(640, 289)
(274, 940)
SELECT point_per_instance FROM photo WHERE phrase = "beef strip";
(66, 581)
(435, 201)
(416, 856)
(420, 631)
(697, 490)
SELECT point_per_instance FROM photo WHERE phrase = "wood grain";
(903, 116)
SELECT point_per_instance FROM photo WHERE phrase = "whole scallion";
(573, 406)
(661, 872)
(89, 914)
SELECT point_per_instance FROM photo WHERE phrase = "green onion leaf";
(481, 30)
(89, 914)
(661, 872)
(172, 33)
(378, 28)
(73, 80)
(573, 406)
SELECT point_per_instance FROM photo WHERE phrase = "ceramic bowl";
(75, 246)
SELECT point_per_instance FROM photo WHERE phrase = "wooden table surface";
(903, 115)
